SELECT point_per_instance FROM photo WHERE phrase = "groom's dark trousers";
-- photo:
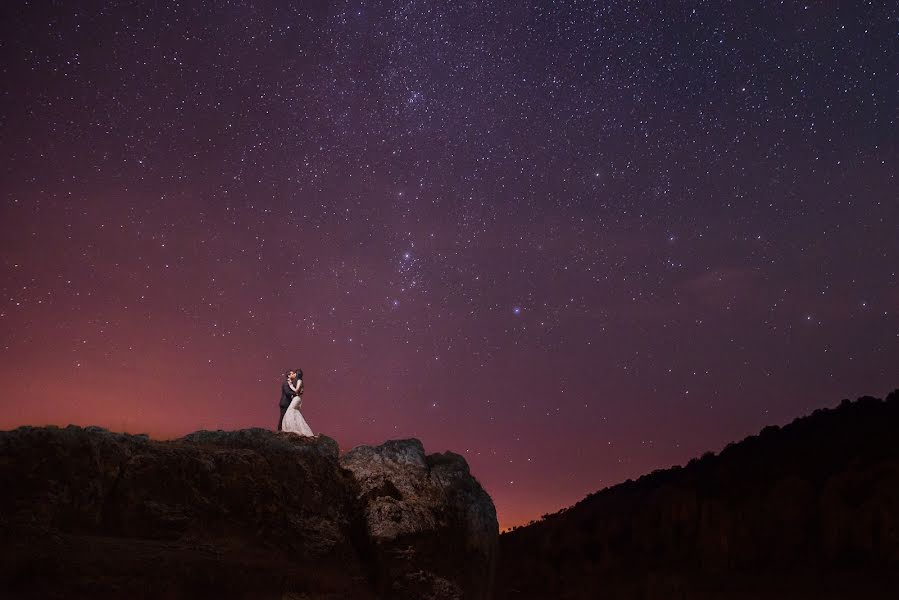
(286, 399)
(281, 418)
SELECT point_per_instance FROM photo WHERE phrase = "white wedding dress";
(293, 418)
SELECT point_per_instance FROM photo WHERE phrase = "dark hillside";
(810, 510)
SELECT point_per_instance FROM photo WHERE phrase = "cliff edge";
(86, 512)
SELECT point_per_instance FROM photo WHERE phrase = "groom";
(287, 395)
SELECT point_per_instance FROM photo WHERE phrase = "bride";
(293, 418)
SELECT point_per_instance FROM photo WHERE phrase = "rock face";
(807, 511)
(432, 526)
(242, 514)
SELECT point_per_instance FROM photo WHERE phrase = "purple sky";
(574, 242)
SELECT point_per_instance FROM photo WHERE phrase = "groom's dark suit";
(287, 395)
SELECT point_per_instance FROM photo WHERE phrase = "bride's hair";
(299, 373)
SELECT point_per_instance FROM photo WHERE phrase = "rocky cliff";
(242, 514)
(810, 510)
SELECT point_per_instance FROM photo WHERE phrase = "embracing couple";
(291, 400)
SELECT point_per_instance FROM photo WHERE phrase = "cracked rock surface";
(238, 514)
(425, 511)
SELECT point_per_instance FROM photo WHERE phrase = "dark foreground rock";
(242, 514)
(431, 525)
(807, 511)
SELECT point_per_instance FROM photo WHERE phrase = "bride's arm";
(293, 387)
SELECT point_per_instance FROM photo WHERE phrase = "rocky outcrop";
(242, 514)
(432, 526)
(810, 510)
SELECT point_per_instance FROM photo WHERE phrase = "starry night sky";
(572, 241)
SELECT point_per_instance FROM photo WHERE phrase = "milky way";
(574, 242)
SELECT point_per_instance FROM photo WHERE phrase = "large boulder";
(242, 514)
(433, 527)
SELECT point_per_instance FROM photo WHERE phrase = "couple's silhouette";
(291, 418)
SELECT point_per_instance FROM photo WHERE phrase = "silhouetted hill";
(810, 510)
(87, 513)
